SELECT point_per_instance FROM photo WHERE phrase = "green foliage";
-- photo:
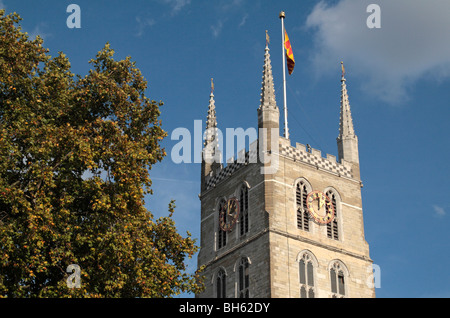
(75, 155)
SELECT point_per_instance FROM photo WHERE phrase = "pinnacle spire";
(346, 128)
(267, 89)
(347, 140)
(211, 120)
(268, 112)
(211, 155)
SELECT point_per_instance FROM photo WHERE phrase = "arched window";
(243, 205)
(222, 235)
(301, 194)
(244, 280)
(337, 278)
(306, 274)
(221, 286)
(332, 227)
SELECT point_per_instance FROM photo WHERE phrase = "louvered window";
(243, 205)
(222, 235)
(332, 227)
(302, 212)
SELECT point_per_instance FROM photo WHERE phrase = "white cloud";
(143, 24)
(217, 28)
(227, 11)
(229, 5)
(39, 30)
(177, 5)
(439, 211)
(412, 43)
(244, 20)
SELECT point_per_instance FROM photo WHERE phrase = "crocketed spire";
(346, 123)
(347, 140)
(211, 120)
(267, 89)
(211, 154)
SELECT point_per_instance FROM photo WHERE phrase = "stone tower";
(299, 231)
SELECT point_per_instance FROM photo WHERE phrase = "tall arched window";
(337, 278)
(332, 227)
(243, 205)
(301, 194)
(244, 280)
(306, 274)
(221, 286)
(222, 235)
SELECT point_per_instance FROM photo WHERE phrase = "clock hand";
(321, 202)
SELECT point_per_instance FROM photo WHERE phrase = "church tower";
(283, 221)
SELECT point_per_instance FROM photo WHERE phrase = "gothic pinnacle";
(346, 128)
(211, 120)
(267, 89)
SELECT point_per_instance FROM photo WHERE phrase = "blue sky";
(398, 79)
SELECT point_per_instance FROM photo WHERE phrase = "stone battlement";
(314, 158)
(299, 153)
(244, 158)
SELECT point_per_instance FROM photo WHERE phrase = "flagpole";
(286, 130)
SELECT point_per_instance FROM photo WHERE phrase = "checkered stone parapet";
(230, 169)
(314, 158)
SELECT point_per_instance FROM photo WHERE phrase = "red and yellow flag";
(289, 53)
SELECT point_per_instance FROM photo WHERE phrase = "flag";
(289, 53)
(343, 69)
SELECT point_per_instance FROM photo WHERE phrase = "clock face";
(320, 207)
(229, 215)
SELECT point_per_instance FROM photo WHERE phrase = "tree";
(75, 155)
